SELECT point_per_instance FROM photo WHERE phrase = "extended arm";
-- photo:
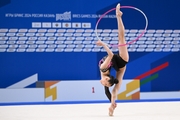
(109, 52)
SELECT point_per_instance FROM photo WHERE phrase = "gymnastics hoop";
(132, 41)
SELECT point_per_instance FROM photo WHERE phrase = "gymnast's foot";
(111, 111)
(118, 12)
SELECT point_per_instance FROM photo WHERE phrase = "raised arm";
(109, 52)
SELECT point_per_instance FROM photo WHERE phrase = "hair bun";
(116, 81)
(113, 80)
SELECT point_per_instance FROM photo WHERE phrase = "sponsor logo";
(65, 16)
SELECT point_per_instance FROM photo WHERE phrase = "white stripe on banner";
(24, 83)
(132, 92)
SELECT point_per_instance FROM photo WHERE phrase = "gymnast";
(117, 61)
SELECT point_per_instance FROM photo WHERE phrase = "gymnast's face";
(104, 81)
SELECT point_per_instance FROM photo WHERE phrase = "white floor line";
(124, 111)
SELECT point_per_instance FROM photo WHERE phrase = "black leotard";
(116, 62)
